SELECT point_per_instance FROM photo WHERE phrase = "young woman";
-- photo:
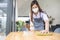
(39, 18)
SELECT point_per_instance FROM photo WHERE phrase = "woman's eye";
(34, 7)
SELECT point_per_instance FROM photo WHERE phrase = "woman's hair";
(32, 3)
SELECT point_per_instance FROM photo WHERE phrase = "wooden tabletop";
(32, 36)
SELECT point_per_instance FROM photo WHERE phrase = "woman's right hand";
(44, 31)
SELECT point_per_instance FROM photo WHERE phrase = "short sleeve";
(45, 17)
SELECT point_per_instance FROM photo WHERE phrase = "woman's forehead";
(34, 5)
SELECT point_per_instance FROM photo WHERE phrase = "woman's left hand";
(44, 31)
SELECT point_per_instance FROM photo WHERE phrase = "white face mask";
(35, 10)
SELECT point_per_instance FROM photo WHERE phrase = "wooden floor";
(32, 36)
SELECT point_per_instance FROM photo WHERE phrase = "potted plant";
(19, 25)
(51, 19)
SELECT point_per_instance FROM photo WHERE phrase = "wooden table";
(31, 36)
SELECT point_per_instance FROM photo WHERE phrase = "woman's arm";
(31, 23)
(46, 20)
(47, 25)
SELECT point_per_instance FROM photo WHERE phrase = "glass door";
(6, 17)
(3, 16)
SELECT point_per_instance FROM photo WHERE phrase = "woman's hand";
(44, 31)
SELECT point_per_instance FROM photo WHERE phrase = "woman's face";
(35, 8)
